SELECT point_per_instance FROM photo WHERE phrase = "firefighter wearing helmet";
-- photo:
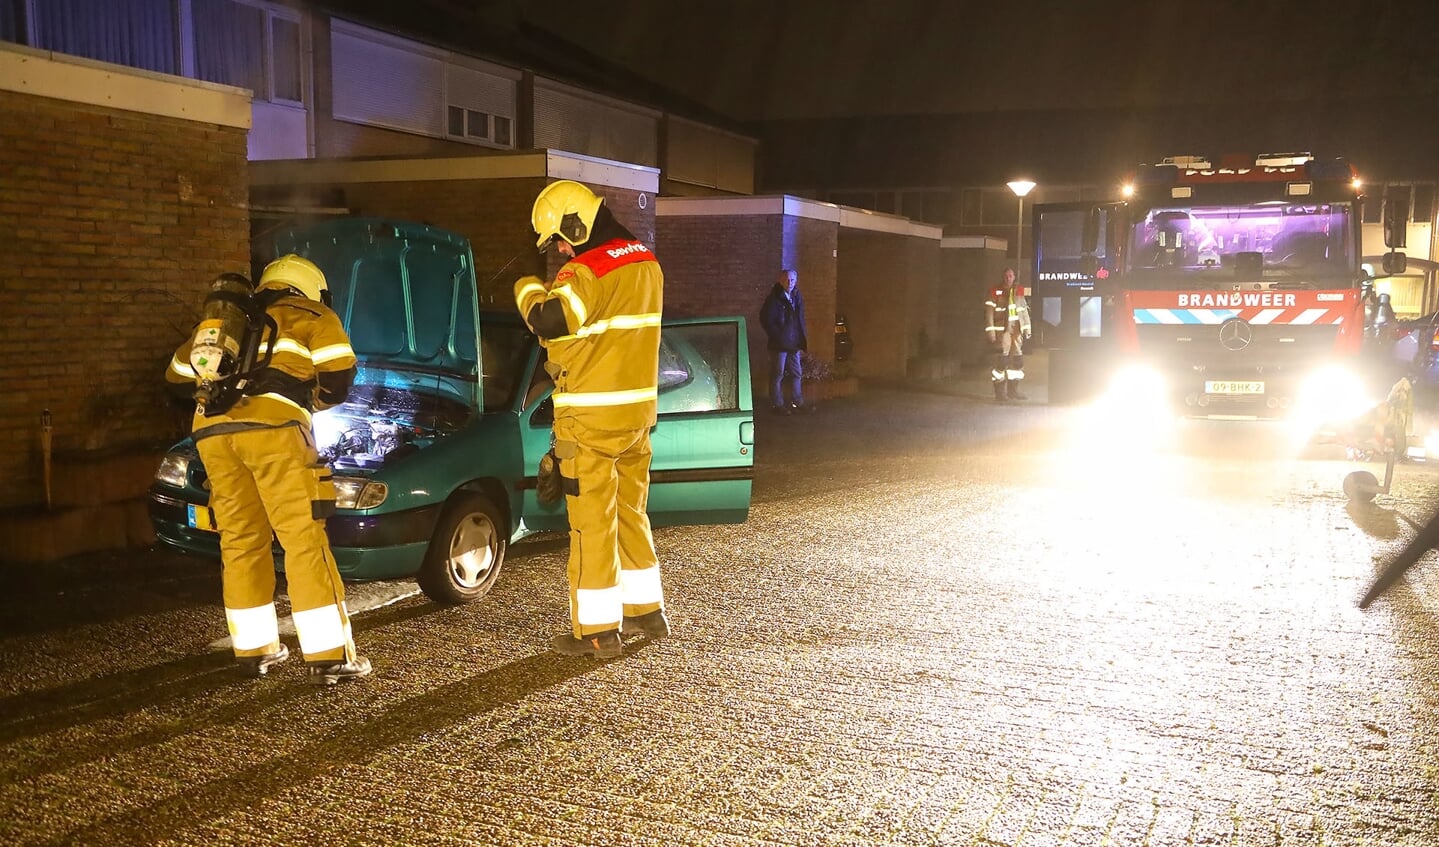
(599, 320)
(265, 476)
(1009, 327)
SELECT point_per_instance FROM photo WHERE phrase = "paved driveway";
(944, 623)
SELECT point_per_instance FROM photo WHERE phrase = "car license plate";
(201, 517)
(1220, 386)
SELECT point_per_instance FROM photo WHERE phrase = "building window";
(385, 81)
(12, 21)
(248, 46)
(971, 202)
(469, 123)
(480, 105)
(1423, 211)
(285, 60)
(136, 33)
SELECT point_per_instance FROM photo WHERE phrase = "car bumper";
(387, 546)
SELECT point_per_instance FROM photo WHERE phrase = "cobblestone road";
(942, 625)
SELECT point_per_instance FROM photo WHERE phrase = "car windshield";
(1191, 245)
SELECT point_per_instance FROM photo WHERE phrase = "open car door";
(703, 464)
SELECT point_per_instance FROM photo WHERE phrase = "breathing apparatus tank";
(226, 342)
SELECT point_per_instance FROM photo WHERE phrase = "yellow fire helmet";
(565, 209)
(298, 273)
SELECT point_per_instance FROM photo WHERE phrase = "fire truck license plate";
(1219, 386)
(201, 518)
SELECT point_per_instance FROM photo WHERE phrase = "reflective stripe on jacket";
(606, 369)
(1005, 308)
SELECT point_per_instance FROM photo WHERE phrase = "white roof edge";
(607, 173)
(854, 218)
(746, 205)
(798, 207)
(538, 163)
(974, 242)
(44, 73)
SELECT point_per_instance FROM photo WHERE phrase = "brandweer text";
(1222, 299)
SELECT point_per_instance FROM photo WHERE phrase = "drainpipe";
(45, 439)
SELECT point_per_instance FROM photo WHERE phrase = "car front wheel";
(466, 552)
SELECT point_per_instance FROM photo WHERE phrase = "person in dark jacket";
(782, 317)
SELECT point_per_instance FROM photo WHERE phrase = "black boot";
(338, 672)
(601, 645)
(1013, 390)
(655, 625)
(999, 390)
(260, 665)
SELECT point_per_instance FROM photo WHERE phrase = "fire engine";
(1221, 288)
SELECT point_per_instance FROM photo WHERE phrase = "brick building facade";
(122, 194)
(486, 198)
(722, 255)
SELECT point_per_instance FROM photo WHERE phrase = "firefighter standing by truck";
(254, 437)
(1008, 328)
(599, 321)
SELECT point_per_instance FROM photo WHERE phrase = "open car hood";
(405, 291)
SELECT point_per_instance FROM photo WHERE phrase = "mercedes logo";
(1235, 334)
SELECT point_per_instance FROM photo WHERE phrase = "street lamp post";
(1020, 187)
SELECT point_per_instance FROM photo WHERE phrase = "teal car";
(435, 451)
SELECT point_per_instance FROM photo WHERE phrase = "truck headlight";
(353, 493)
(173, 470)
(1332, 394)
(1134, 390)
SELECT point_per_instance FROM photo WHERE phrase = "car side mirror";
(1396, 218)
(1395, 262)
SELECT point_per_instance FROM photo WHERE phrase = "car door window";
(698, 372)
(699, 368)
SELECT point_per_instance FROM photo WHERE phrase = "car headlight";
(353, 493)
(173, 470)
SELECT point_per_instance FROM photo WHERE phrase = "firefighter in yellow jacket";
(599, 320)
(1009, 327)
(265, 476)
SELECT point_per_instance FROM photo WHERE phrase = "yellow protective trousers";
(613, 569)
(264, 481)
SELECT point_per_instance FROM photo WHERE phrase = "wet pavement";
(946, 622)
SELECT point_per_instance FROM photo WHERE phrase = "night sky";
(794, 59)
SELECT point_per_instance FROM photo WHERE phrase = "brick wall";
(875, 288)
(111, 225)
(493, 213)
(810, 248)
(922, 259)
(721, 265)
(726, 265)
(967, 275)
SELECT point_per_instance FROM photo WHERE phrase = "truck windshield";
(1281, 242)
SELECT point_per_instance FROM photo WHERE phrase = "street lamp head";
(1021, 187)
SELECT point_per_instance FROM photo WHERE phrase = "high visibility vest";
(1007, 308)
